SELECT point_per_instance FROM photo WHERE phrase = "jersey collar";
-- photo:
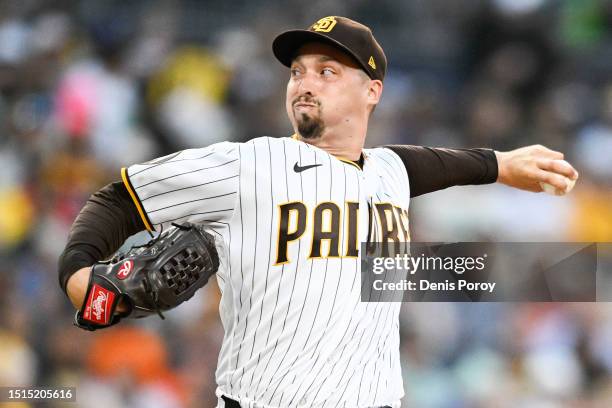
(359, 163)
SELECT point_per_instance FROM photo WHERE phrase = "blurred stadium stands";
(89, 86)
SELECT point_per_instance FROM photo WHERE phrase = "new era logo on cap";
(372, 63)
(352, 37)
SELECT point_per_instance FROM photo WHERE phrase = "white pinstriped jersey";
(291, 216)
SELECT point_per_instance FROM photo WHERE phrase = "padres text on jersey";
(292, 217)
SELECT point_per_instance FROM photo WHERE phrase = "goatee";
(309, 127)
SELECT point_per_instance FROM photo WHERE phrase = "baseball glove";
(150, 278)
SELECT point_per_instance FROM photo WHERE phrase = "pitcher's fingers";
(545, 152)
(554, 179)
(558, 166)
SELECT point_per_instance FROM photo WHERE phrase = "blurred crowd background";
(89, 86)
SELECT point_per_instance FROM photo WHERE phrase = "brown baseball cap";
(348, 35)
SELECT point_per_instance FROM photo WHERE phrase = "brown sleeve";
(107, 219)
(432, 168)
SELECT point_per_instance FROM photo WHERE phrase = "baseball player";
(291, 213)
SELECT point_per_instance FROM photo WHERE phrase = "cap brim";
(286, 45)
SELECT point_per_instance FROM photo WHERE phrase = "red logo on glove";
(126, 268)
(99, 305)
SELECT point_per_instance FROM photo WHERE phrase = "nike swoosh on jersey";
(299, 169)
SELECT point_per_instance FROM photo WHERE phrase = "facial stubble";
(310, 127)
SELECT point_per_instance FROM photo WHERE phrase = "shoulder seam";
(400, 164)
(239, 178)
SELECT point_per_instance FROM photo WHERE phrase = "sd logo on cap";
(324, 25)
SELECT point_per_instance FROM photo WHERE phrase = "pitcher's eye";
(328, 72)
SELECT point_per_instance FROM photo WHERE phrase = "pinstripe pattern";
(296, 333)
